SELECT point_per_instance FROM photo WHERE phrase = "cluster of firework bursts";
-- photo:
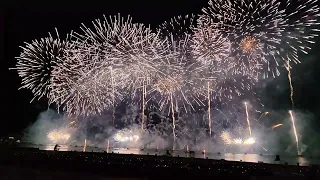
(189, 61)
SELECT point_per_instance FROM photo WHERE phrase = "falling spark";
(264, 114)
(288, 67)
(277, 125)
(264, 148)
(294, 131)
(85, 145)
(248, 121)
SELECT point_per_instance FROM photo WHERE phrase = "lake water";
(293, 160)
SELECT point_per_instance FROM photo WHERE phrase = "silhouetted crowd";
(151, 166)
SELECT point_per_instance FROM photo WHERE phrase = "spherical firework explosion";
(86, 92)
(264, 34)
(255, 30)
(210, 47)
(36, 62)
(302, 26)
(248, 44)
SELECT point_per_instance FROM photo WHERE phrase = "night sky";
(23, 22)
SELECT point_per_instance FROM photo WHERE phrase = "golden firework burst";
(248, 44)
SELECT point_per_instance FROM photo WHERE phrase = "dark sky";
(33, 20)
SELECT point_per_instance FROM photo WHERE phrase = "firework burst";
(36, 62)
(254, 28)
(178, 27)
(59, 135)
(302, 26)
(81, 91)
(176, 79)
(209, 46)
(228, 87)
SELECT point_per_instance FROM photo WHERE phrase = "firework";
(288, 67)
(174, 83)
(230, 87)
(228, 140)
(302, 26)
(59, 135)
(81, 91)
(277, 125)
(180, 66)
(117, 54)
(209, 46)
(254, 29)
(36, 62)
(295, 131)
(248, 119)
(127, 135)
(178, 27)
(85, 145)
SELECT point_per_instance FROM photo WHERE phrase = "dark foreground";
(25, 163)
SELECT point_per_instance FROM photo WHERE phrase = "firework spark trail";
(295, 131)
(85, 145)
(113, 98)
(209, 112)
(263, 114)
(143, 104)
(108, 146)
(288, 67)
(173, 122)
(247, 115)
(277, 125)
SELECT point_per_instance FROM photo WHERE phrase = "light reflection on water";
(227, 156)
